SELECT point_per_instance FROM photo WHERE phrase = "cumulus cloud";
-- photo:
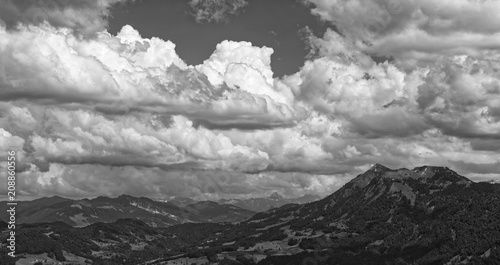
(369, 99)
(216, 10)
(123, 73)
(123, 100)
(10, 142)
(460, 96)
(396, 113)
(415, 30)
(456, 94)
(243, 66)
(115, 114)
(84, 137)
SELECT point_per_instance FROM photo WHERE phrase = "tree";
(212, 257)
(293, 241)
(245, 260)
(227, 261)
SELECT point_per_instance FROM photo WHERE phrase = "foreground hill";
(103, 209)
(126, 241)
(426, 215)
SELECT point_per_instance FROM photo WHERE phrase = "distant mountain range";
(425, 215)
(493, 181)
(262, 204)
(178, 201)
(215, 212)
(155, 213)
(103, 209)
(267, 203)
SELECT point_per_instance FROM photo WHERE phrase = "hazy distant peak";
(58, 197)
(206, 203)
(53, 199)
(492, 181)
(276, 196)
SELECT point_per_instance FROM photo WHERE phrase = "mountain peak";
(424, 167)
(378, 168)
(124, 196)
(276, 196)
(438, 174)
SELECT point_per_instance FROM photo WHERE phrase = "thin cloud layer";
(108, 115)
(216, 10)
(84, 16)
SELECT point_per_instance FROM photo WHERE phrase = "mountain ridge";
(84, 212)
(425, 215)
(275, 200)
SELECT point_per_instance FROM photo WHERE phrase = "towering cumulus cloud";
(109, 114)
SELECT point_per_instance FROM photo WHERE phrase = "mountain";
(104, 209)
(214, 212)
(425, 215)
(252, 204)
(305, 199)
(3, 225)
(493, 181)
(263, 204)
(276, 196)
(178, 201)
(125, 241)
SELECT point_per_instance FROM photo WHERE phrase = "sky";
(276, 24)
(215, 99)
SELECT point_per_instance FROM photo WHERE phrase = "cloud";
(397, 113)
(123, 73)
(375, 100)
(84, 16)
(113, 114)
(479, 168)
(456, 94)
(216, 10)
(83, 137)
(98, 180)
(460, 97)
(415, 30)
(10, 142)
(245, 67)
